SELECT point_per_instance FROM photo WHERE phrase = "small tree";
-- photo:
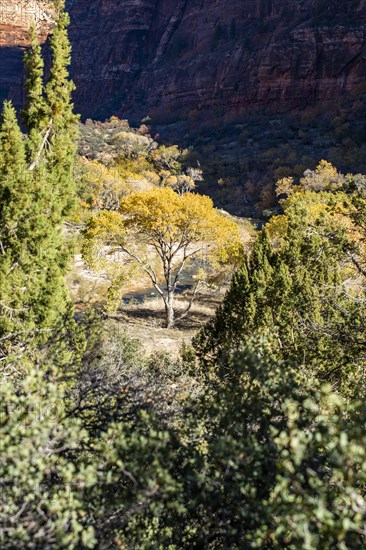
(160, 224)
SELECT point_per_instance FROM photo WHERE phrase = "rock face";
(16, 17)
(213, 58)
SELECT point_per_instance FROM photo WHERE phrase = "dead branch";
(43, 145)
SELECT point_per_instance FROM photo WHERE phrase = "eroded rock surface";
(16, 18)
(182, 58)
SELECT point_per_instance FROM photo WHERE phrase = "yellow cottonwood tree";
(159, 224)
(325, 177)
(321, 194)
(100, 187)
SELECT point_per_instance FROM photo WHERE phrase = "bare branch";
(147, 268)
(357, 265)
(43, 145)
(188, 309)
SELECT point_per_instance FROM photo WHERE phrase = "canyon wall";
(16, 18)
(214, 58)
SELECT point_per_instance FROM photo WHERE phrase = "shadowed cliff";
(200, 59)
(189, 58)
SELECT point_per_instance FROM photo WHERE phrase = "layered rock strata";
(16, 18)
(183, 58)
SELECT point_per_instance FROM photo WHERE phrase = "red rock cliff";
(16, 17)
(177, 58)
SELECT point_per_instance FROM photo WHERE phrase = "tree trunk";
(169, 311)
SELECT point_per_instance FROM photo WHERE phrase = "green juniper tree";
(37, 191)
(245, 308)
(34, 114)
(61, 119)
(33, 257)
(15, 202)
(301, 294)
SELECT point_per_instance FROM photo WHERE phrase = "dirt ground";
(145, 322)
